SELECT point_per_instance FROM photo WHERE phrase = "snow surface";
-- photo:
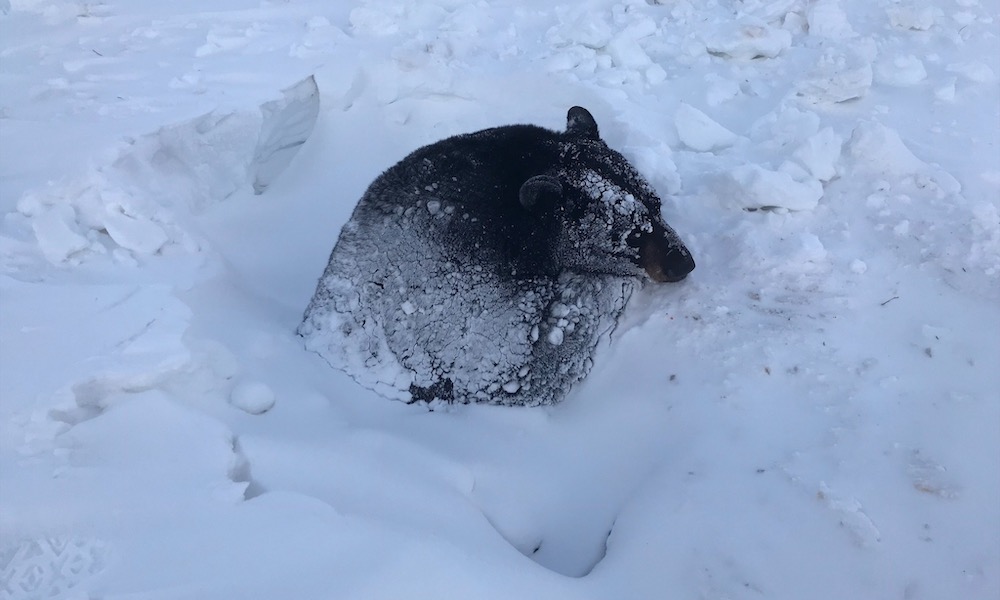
(813, 413)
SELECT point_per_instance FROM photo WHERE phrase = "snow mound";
(136, 206)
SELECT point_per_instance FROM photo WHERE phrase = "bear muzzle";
(664, 262)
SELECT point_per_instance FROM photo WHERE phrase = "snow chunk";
(827, 19)
(840, 75)
(699, 132)
(946, 91)
(876, 148)
(253, 397)
(820, 154)
(912, 17)
(902, 71)
(55, 230)
(753, 187)
(287, 123)
(881, 149)
(720, 90)
(129, 229)
(624, 48)
(974, 71)
(93, 214)
(584, 28)
(748, 41)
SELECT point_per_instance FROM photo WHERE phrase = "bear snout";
(663, 262)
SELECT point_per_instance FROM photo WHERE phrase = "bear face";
(488, 266)
(618, 210)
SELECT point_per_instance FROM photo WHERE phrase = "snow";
(698, 131)
(253, 397)
(812, 413)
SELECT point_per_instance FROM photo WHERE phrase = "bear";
(488, 266)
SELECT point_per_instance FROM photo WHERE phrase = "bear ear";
(540, 193)
(580, 122)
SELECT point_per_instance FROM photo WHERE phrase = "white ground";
(814, 413)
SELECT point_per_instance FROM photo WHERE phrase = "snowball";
(820, 154)
(858, 266)
(901, 70)
(555, 336)
(699, 132)
(252, 397)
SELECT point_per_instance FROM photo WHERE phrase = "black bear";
(487, 267)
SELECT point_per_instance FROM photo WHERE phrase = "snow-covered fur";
(487, 267)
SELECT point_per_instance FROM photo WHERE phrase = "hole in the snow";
(571, 552)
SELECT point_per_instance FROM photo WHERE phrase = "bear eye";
(633, 238)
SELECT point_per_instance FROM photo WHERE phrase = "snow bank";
(136, 205)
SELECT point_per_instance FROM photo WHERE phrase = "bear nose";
(668, 266)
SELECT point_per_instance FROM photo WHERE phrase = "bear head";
(609, 216)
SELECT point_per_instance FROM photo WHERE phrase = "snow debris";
(699, 132)
(720, 90)
(747, 40)
(137, 202)
(827, 19)
(820, 153)
(876, 148)
(946, 91)
(752, 187)
(98, 218)
(840, 75)
(901, 70)
(912, 16)
(974, 71)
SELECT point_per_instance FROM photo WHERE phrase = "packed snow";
(814, 412)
